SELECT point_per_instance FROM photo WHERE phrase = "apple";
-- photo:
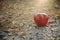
(41, 19)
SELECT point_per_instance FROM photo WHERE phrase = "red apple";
(41, 19)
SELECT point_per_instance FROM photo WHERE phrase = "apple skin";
(41, 19)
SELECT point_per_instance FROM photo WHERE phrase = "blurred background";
(16, 16)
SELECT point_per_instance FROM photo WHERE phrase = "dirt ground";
(16, 19)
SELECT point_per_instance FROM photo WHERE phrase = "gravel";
(33, 33)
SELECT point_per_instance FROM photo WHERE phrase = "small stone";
(20, 39)
(20, 33)
(54, 29)
(28, 37)
(27, 26)
(4, 37)
(10, 34)
(1, 16)
(15, 30)
(24, 37)
(31, 38)
(35, 38)
(30, 28)
(11, 37)
(9, 29)
(21, 24)
(16, 38)
(30, 32)
(36, 31)
(14, 22)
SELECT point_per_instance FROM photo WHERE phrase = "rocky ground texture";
(16, 20)
(49, 32)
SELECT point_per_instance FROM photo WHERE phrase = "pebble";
(17, 38)
(1, 16)
(24, 37)
(54, 29)
(11, 37)
(14, 22)
(21, 24)
(9, 34)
